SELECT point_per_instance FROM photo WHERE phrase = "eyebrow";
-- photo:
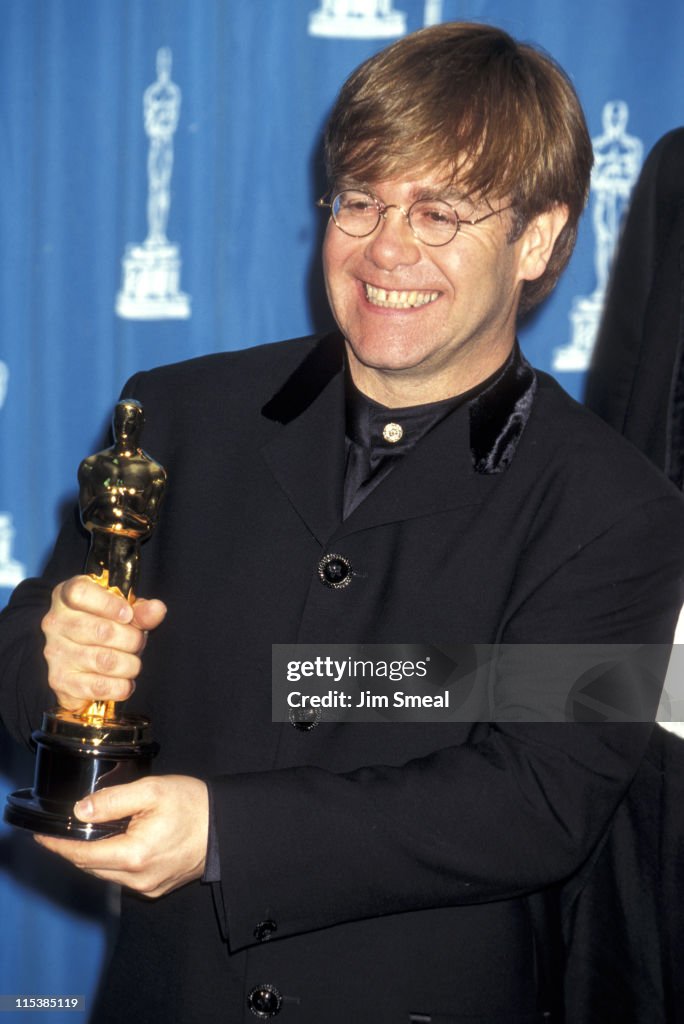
(343, 184)
(449, 193)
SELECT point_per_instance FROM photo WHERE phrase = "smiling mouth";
(398, 300)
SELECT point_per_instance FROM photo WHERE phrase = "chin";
(387, 357)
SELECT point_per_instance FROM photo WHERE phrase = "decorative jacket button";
(305, 719)
(264, 1001)
(264, 930)
(335, 571)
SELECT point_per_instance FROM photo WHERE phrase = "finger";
(115, 854)
(133, 798)
(148, 614)
(74, 690)
(117, 859)
(98, 673)
(80, 691)
(94, 631)
(122, 858)
(82, 594)
(83, 692)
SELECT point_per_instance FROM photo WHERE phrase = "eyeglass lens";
(358, 214)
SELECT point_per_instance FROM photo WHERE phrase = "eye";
(356, 204)
(433, 214)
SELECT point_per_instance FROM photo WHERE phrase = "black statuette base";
(75, 758)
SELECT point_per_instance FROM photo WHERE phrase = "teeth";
(398, 300)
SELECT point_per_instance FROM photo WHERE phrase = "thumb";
(115, 802)
(148, 614)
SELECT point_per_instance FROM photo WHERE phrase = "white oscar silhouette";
(357, 19)
(432, 13)
(617, 161)
(11, 571)
(151, 271)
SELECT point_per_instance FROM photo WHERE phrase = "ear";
(538, 240)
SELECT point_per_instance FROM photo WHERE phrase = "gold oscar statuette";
(120, 493)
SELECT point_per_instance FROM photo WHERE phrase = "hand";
(165, 845)
(93, 642)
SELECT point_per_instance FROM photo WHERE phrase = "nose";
(393, 243)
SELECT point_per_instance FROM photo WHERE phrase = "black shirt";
(377, 436)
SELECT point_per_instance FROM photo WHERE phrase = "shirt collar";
(393, 431)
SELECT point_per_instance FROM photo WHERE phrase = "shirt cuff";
(212, 867)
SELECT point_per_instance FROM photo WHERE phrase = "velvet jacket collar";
(498, 415)
(478, 441)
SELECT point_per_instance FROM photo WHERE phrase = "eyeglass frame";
(382, 209)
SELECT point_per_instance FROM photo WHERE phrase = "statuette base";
(74, 758)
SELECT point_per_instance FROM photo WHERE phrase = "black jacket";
(410, 871)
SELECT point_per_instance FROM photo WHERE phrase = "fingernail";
(84, 809)
(125, 613)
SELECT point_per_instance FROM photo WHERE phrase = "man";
(411, 479)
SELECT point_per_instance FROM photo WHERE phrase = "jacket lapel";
(454, 465)
(307, 456)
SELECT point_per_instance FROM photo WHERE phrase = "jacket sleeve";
(516, 808)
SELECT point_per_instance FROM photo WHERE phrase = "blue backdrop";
(159, 163)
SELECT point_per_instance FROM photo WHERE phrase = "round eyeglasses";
(432, 221)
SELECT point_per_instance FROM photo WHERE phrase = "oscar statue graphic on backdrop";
(121, 490)
(432, 13)
(11, 571)
(357, 19)
(617, 161)
(151, 272)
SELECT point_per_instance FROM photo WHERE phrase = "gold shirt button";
(392, 432)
